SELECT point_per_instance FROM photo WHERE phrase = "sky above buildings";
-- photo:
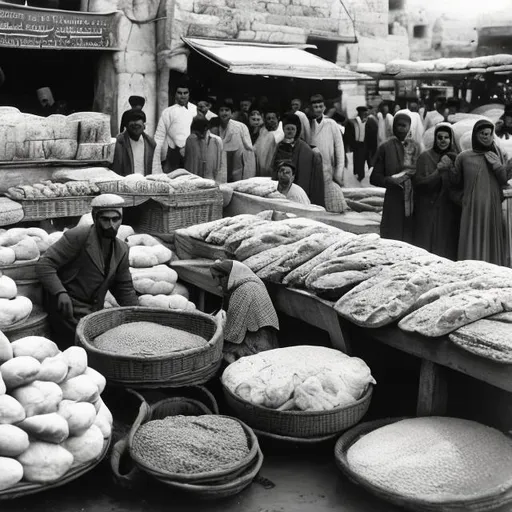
(463, 8)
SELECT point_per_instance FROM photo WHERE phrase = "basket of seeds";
(151, 347)
(209, 455)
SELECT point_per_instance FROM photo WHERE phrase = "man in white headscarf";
(48, 104)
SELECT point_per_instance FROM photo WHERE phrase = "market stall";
(322, 286)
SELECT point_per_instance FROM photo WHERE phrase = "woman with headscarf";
(480, 174)
(251, 320)
(395, 163)
(309, 174)
(436, 217)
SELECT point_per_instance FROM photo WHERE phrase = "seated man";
(285, 185)
(134, 149)
(77, 271)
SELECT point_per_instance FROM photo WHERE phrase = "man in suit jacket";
(134, 149)
(361, 139)
(77, 271)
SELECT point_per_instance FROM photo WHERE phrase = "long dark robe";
(482, 230)
(309, 175)
(436, 219)
(389, 160)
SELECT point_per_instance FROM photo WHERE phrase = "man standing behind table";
(77, 271)
(237, 145)
(203, 152)
(305, 132)
(286, 185)
(204, 106)
(172, 132)
(326, 137)
(242, 115)
(134, 149)
(136, 103)
(361, 140)
(270, 135)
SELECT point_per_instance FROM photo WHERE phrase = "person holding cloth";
(172, 132)
(395, 163)
(134, 149)
(251, 320)
(77, 271)
(479, 176)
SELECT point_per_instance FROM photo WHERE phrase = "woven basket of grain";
(45, 208)
(180, 210)
(179, 368)
(211, 483)
(299, 424)
(475, 501)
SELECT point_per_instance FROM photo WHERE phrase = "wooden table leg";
(433, 390)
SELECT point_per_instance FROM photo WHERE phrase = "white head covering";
(45, 93)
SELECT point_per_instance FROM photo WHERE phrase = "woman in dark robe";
(309, 173)
(436, 218)
(395, 163)
(480, 174)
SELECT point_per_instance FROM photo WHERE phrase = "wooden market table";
(435, 354)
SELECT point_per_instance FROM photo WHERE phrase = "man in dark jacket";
(134, 149)
(136, 103)
(361, 139)
(77, 271)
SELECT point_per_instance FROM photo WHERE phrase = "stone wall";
(133, 70)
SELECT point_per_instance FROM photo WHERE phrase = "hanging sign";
(28, 27)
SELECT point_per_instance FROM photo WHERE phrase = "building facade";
(149, 54)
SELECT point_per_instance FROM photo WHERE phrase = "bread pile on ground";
(52, 418)
(304, 378)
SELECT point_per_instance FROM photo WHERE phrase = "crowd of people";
(441, 199)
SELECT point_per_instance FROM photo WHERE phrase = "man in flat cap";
(77, 271)
(136, 103)
(361, 140)
(134, 149)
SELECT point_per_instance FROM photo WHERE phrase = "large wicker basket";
(52, 208)
(23, 489)
(299, 424)
(180, 210)
(210, 485)
(472, 504)
(184, 368)
(21, 269)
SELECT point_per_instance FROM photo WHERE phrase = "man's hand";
(64, 305)
(221, 317)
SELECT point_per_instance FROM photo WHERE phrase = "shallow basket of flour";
(209, 455)
(194, 361)
(299, 424)
(431, 464)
